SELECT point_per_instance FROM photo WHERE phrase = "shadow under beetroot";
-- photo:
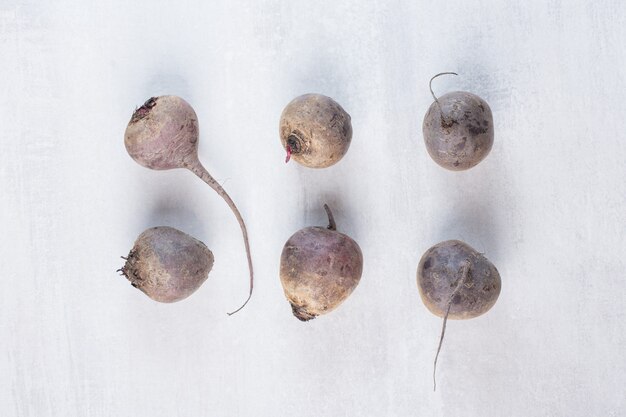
(167, 211)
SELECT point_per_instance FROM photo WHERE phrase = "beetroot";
(458, 129)
(315, 131)
(167, 264)
(456, 281)
(319, 269)
(163, 134)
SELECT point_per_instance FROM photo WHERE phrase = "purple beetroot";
(167, 264)
(319, 269)
(456, 281)
(458, 129)
(315, 131)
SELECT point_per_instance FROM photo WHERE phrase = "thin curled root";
(459, 284)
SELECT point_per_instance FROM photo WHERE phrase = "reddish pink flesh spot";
(288, 154)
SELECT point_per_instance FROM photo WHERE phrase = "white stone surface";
(548, 207)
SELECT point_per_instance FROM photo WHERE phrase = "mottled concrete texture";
(547, 207)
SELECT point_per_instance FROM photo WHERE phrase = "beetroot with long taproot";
(319, 269)
(163, 134)
(167, 265)
(458, 129)
(455, 281)
(315, 131)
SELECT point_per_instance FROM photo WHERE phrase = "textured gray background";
(547, 207)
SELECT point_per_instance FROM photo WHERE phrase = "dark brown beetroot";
(458, 129)
(315, 131)
(167, 264)
(456, 281)
(163, 134)
(319, 269)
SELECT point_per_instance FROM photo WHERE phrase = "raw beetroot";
(458, 129)
(167, 265)
(456, 281)
(315, 131)
(319, 269)
(163, 134)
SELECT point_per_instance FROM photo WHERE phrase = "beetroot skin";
(167, 264)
